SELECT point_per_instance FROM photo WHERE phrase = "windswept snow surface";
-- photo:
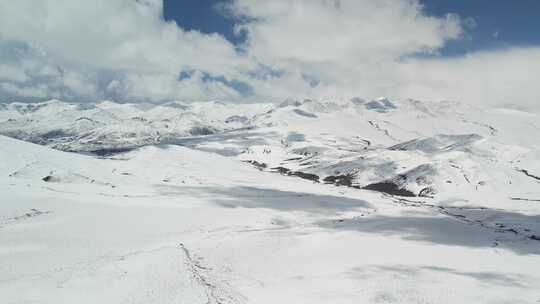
(306, 202)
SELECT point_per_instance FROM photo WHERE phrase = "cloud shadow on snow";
(404, 272)
(253, 197)
(442, 230)
(435, 229)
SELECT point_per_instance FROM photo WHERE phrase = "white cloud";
(162, 87)
(506, 77)
(39, 91)
(12, 73)
(124, 50)
(370, 48)
(341, 32)
(122, 37)
(114, 34)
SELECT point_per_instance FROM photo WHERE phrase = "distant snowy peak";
(380, 105)
(439, 143)
(294, 112)
(110, 125)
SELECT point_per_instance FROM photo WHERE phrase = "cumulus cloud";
(97, 42)
(341, 32)
(374, 48)
(124, 50)
(495, 78)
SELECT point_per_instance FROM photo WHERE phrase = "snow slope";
(447, 151)
(309, 201)
(159, 225)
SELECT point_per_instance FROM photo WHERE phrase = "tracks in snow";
(30, 214)
(216, 292)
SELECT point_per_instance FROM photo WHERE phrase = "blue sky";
(202, 15)
(490, 24)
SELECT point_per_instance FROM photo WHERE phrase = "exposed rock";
(308, 176)
(340, 180)
(427, 192)
(304, 113)
(282, 170)
(257, 164)
(390, 188)
(196, 131)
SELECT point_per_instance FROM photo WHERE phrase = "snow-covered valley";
(306, 202)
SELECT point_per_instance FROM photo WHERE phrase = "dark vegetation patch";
(294, 158)
(289, 172)
(196, 131)
(526, 172)
(308, 176)
(55, 134)
(524, 199)
(422, 180)
(110, 151)
(340, 180)
(427, 192)
(389, 188)
(257, 164)
(282, 170)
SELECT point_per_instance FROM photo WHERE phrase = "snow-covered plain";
(306, 202)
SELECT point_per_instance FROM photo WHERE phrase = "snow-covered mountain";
(444, 150)
(309, 201)
(109, 126)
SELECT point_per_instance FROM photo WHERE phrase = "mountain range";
(307, 201)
